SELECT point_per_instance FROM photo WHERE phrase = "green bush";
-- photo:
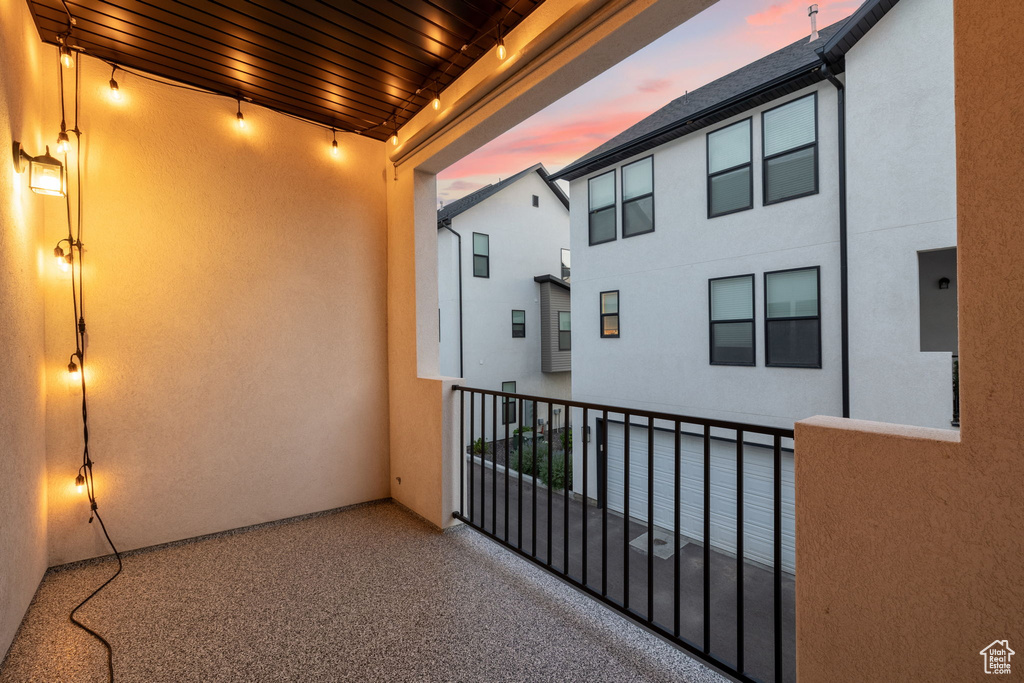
(525, 462)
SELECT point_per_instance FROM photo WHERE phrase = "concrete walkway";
(757, 581)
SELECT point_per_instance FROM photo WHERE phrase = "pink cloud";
(655, 85)
(778, 13)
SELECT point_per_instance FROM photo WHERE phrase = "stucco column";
(910, 542)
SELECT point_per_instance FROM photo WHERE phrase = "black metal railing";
(514, 484)
(956, 391)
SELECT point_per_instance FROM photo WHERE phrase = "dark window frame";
(614, 206)
(536, 200)
(486, 256)
(750, 164)
(767, 337)
(514, 323)
(766, 159)
(753, 326)
(566, 270)
(622, 171)
(508, 405)
(560, 330)
(617, 313)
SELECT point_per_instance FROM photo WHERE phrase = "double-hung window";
(481, 255)
(602, 208)
(564, 331)
(508, 405)
(730, 171)
(610, 314)
(638, 197)
(792, 326)
(731, 301)
(518, 323)
(790, 141)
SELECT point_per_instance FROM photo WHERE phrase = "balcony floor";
(368, 593)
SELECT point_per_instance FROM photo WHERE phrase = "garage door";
(758, 503)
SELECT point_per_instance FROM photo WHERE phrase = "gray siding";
(552, 300)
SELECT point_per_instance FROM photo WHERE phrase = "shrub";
(525, 462)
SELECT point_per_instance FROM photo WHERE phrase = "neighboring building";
(709, 244)
(503, 289)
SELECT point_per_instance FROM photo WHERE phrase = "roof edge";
(857, 24)
(551, 279)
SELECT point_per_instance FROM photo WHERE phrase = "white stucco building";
(737, 259)
(503, 266)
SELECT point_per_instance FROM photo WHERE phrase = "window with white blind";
(731, 305)
(481, 255)
(792, 327)
(790, 150)
(602, 208)
(638, 197)
(730, 170)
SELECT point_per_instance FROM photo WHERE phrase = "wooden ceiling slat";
(285, 72)
(349, 64)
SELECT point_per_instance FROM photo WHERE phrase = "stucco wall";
(902, 199)
(235, 300)
(22, 372)
(661, 359)
(910, 540)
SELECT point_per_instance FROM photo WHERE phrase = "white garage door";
(758, 491)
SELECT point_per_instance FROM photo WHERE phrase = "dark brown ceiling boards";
(347, 64)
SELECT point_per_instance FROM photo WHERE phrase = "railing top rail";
(639, 412)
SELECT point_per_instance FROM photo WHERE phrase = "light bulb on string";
(502, 52)
(79, 482)
(437, 99)
(63, 141)
(115, 92)
(58, 253)
(241, 119)
(65, 263)
(334, 142)
(65, 57)
(73, 372)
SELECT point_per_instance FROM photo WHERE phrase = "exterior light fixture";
(502, 52)
(115, 92)
(241, 119)
(73, 371)
(63, 141)
(944, 283)
(45, 173)
(437, 98)
(66, 57)
(79, 482)
(394, 139)
(334, 142)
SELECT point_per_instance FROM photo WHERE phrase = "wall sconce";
(45, 173)
(944, 283)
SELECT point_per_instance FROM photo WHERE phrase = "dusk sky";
(726, 36)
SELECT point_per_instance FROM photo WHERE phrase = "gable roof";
(448, 212)
(784, 71)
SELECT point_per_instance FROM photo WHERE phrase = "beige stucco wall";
(22, 376)
(910, 541)
(236, 307)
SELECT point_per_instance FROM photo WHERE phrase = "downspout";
(844, 296)
(447, 226)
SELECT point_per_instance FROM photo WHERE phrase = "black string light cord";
(77, 361)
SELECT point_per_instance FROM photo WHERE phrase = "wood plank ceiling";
(348, 64)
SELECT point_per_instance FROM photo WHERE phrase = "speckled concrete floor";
(366, 594)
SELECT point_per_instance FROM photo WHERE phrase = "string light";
(65, 57)
(115, 92)
(79, 482)
(241, 119)
(437, 98)
(73, 372)
(334, 142)
(502, 52)
(63, 142)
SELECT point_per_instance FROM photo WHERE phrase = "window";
(508, 405)
(792, 327)
(518, 323)
(564, 331)
(638, 197)
(790, 142)
(481, 255)
(565, 265)
(602, 208)
(731, 304)
(730, 171)
(536, 200)
(610, 314)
